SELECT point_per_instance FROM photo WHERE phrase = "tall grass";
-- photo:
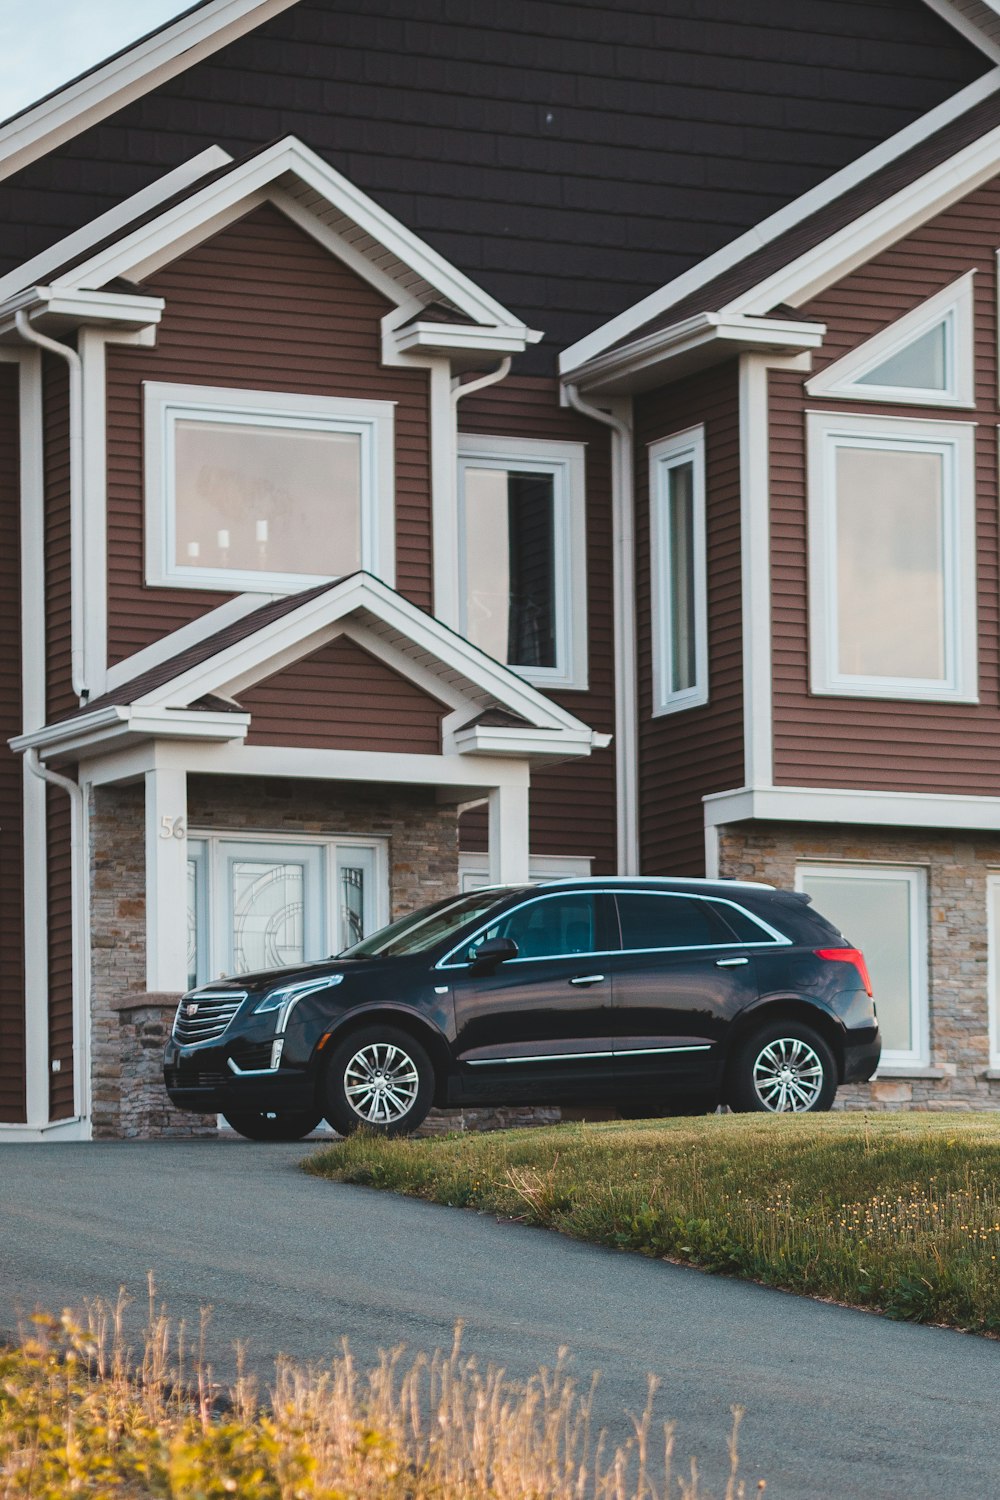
(80, 1416)
(895, 1212)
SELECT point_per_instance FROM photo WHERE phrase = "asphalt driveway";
(839, 1403)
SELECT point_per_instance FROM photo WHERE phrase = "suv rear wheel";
(784, 1068)
(381, 1079)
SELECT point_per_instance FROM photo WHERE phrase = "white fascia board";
(153, 60)
(527, 743)
(735, 333)
(619, 327)
(977, 20)
(62, 252)
(52, 734)
(811, 273)
(66, 306)
(471, 773)
(149, 242)
(107, 727)
(450, 338)
(248, 659)
(840, 805)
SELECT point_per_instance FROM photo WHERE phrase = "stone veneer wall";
(128, 1026)
(957, 865)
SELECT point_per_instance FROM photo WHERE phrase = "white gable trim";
(151, 61)
(786, 218)
(953, 306)
(160, 240)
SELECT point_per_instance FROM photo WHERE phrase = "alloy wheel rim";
(787, 1076)
(381, 1083)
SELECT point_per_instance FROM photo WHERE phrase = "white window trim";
(993, 971)
(668, 454)
(955, 442)
(212, 900)
(915, 877)
(474, 868)
(566, 463)
(372, 421)
(954, 307)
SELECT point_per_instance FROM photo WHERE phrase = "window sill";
(908, 1070)
(991, 1074)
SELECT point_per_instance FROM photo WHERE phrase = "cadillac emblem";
(191, 1010)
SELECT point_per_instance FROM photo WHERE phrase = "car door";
(541, 1023)
(681, 976)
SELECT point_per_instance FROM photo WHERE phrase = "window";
(882, 909)
(551, 927)
(677, 553)
(522, 555)
(924, 358)
(266, 903)
(260, 490)
(892, 557)
(651, 921)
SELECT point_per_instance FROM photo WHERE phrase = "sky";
(44, 43)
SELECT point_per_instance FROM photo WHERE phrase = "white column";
(166, 881)
(508, 833)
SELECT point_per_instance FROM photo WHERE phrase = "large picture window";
(523, 555)
(892, 557)
(261, 490)
(882, 909)
(678, 583)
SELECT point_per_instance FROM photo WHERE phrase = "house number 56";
(172, 828)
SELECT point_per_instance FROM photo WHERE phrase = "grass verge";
(899, 1213)
(79, 1416)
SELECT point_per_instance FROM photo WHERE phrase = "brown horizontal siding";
(60, 897)
(341, 697)
(12, 1103)
(888, 745)
(684, 756)
(573, 804)
(58, 667)
(258, 306)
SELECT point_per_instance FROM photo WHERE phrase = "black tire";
(686, 1104)
(273, 1125)
(390, 1079)
(785, 1053)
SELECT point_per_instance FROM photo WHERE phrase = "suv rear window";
(651, 920)
(744, 927)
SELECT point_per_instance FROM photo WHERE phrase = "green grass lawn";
(895, 1212)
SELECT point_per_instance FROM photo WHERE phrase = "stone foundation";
(957, 865)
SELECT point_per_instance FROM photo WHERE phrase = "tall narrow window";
(881, 909)
(892, 557)
(522, 555)
(678, 583)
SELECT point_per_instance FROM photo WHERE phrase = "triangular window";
(924, 358)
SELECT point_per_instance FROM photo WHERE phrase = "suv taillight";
(848, 956)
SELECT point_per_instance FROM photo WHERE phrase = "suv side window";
(549, 927)
(742, 923)
(651, 920)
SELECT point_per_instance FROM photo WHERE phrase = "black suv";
(660, 996)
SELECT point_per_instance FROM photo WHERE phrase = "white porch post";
(508, 832)
(166, 880)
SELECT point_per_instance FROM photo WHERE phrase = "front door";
(538, 1026)
(680, 978)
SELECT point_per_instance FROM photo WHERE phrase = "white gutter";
(623, 574)
(31, 335)
(80, 923)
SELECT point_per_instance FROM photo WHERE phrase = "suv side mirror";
(494, 951)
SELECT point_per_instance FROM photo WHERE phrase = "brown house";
(327, 592)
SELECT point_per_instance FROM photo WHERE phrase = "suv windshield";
(422, 929)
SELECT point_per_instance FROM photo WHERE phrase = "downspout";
(623, 575)
(459, 391)
(31, 335)
(79, 948)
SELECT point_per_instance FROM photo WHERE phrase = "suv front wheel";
(381, 1079)
(784, 1068)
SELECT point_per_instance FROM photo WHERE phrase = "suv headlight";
(287, 996)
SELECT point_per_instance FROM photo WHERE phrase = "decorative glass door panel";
(356, 894)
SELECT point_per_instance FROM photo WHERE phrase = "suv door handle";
(730, 963)
(588, 979)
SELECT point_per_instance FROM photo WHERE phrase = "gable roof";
(822, 246)
(491, 709)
